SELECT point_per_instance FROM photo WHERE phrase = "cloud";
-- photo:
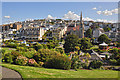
(50, 17)
(6, 16)
(29, 19)
(115, 11)
(108, 12)
(88, 19)
(104, 20)
(98, 20)
(94, 8)
(99, 12)
(71, 15)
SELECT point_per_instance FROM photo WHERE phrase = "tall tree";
(85, 43)
(70, 42)
(104, 38)
(88, 33)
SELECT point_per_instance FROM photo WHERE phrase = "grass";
(35, 72)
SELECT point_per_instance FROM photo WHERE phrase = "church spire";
(81, 34)
(81, 17)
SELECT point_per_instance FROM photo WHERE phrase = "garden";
(42, 55)
(46, 60)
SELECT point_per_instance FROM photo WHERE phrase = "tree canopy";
(103, 38)
(85, 43)
(70, 42)
(89, 33)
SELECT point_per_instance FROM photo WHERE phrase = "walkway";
(10, 74)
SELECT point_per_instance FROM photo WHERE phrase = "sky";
(96, 11)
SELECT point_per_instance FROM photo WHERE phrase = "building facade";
(32, 33)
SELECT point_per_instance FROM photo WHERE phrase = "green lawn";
(35, 72)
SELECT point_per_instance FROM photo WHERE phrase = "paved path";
(8, 73)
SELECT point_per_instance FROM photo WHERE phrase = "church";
(77, 29)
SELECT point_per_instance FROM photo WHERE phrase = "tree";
(89, 33)
(103, 38)
(70, 42)
(95, 64)
(85, 43)
(106, 29)
(38, 46)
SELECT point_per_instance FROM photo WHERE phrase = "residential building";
(97, 32)
(32, 33)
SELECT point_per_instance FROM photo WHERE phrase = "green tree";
(85, 43)
(38, 46)
(89, 33)
(95, 64)
(106, 29)
(70, 42)
(103, 38)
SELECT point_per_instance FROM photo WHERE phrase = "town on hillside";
(91, 44)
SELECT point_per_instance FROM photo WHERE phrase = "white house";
(97, 32)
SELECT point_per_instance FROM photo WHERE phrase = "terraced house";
(32, 33)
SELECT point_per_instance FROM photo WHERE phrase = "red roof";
(74, 28)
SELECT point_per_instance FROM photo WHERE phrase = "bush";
(2, 51)
(11, 57)
(95, 64)
(15, 54)
(32, 62)
(58, 62)
(8, 58)
(45, 46)
(113, 61)
(38, 46)
(12, 45)
(118, 61)
(41, 63)
(22, 49)
(21, 60)
(60, 50)
(29, 53)
(44, 54)
(75, 63)
(85, 66)
(22, 45)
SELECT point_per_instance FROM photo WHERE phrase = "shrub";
(8, 58)
(41, 63)
(75, 63)
(58, 62)
(85, 66)
(60, 50)
(22, 45)
(32, 62)
(12, 45)
(22, 49)
(38, 46)
(21, 60)
(29, 54)
(44, 54)
(45, 46)
(2, 51)
(95, 64)
(118, 61)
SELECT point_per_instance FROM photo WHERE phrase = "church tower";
(81, 27)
